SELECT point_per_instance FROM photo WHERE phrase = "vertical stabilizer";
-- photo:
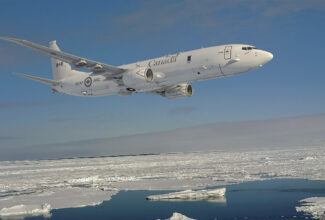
(60, 69)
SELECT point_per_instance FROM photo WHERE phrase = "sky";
(121, 32)
(284, 133)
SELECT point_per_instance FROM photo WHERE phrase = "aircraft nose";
(266, 57)
(269, 56)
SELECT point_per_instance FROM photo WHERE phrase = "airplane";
(168, 76)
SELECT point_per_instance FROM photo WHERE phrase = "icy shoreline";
(81, 182)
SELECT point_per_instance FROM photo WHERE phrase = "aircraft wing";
(110, 72)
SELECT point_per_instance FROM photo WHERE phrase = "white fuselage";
(183, 67)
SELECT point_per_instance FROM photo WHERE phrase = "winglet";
(49, 82)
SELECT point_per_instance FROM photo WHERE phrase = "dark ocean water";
(273, 199)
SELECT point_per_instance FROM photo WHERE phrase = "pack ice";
(64, 183)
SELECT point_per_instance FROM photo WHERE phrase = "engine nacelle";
(139, 78)
(179, 91)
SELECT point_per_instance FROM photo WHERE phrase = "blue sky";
(120, 32)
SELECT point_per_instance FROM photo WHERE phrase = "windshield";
(248, 48)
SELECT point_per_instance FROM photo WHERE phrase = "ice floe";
(26, 210)
(65, 183)
(42, 203)
(314, 206)
(192, 195)
(178, 216)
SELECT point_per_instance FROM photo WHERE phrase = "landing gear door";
(227, 52)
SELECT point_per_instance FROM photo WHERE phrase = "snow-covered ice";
(191, 195)
(26, 210)
(178, 216)
(43, 202)
(314, 206)
(89, 181)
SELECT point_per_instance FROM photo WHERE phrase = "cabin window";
(189, 59)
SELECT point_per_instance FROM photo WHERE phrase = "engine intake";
(179, 91)
(149, 75)
(139, 78)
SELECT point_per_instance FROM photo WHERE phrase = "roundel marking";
(88, 81)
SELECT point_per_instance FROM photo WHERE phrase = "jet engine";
(139, 78)
(178, 91)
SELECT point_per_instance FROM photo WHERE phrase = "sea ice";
(42, 203)
(191, 195)
(65, 183)
(178, 216)
(26, 210)
(314, 206)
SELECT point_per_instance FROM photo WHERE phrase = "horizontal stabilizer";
(49, 82)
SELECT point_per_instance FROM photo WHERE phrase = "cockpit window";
(248, 48)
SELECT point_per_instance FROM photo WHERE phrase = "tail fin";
(60, 69)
